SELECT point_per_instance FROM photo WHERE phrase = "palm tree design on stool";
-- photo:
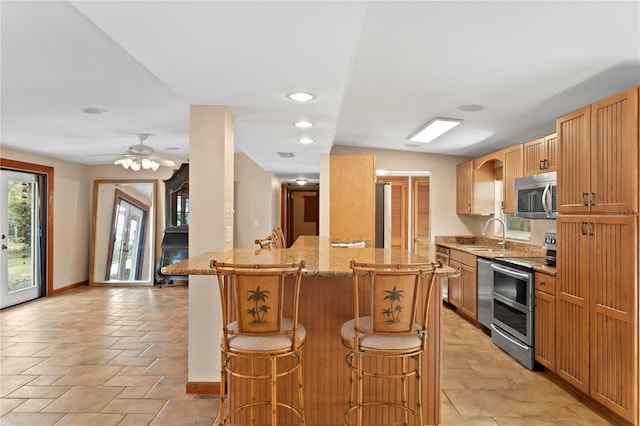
(393, 311)
(258, 312)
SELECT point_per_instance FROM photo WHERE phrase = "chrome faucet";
(504, 230)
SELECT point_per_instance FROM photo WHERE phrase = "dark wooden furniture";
(175, 242)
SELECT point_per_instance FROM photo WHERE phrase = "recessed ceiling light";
(434, 129)
(471, 107)
(303, 124)
(94, 110)
(301, 96)
(301, 181)
(306, 141)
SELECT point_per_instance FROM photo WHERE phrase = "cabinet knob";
(541, 283)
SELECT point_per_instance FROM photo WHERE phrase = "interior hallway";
(118, 356)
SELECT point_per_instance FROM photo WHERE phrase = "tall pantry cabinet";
(597, 344)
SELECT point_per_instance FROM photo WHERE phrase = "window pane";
(515, 223)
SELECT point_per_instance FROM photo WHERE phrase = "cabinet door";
(613, 313)
(545, 330)
(614, 154)
(533, 156)
(455, 285)
(469, 292)
(574, 161)
(551, 155)
(572, 301)
(512, 169)
(464, 185)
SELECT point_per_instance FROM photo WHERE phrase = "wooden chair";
(259, 343)
(264, 243)
(281, 237)
(389, 341)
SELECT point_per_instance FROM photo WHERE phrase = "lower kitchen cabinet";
(597, 309)
(463, 290)
(545, 320)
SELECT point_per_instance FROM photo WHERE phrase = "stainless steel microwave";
(536, 196)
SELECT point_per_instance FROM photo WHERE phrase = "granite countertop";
(320, 256)
(513, 249)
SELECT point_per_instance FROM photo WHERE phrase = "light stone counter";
(320, 256)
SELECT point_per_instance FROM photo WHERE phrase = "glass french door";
(19, 238)
(126, 256)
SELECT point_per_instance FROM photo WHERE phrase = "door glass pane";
(21, 222)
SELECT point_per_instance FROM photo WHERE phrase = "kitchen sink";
(480, 248)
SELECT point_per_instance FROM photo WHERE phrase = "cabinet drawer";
(545, 283)
(462, 257)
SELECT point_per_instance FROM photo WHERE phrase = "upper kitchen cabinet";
(512, 169)
(598, 156)
(540, 155)
(475, 188)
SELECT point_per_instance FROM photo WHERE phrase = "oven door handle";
(497, 330)
(510, 272)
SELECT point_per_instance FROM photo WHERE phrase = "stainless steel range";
(513, 302)
(513, 309)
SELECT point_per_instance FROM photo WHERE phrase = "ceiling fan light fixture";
(135, 165)
(435, 128)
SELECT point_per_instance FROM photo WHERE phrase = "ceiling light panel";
(434, 129)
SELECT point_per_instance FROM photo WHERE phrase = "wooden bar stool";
(259, 343)
(390, 341)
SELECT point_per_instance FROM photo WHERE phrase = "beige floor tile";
(121, 380)
(8, 404)
(33, 405)
(30, 391)
(452, 420)
(92, 419)
(136, 406)
(89, 375)
(30, 419)
(83, 399)
(9, 383)
(201, 411)
(137, 420)
(471, 403)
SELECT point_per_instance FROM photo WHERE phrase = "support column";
(211, 156)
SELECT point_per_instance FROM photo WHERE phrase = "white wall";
(257, 202)
(442, 168)
(71, 216)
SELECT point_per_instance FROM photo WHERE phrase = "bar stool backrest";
(253, 297)
(397, 292)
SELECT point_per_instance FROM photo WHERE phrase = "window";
(516, 227)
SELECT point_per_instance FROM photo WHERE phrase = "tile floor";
(117, 356)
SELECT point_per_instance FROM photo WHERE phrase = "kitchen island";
(326, 303)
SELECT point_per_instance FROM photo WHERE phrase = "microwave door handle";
(546, 206)
(510, 272)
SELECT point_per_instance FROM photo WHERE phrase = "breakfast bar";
(325, 304)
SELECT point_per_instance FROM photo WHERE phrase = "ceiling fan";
(143, 156)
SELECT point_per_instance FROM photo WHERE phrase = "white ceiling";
(380, 70)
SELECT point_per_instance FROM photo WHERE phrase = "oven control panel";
(549, 241)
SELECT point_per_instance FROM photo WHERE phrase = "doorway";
(410, 214)
(301, 211)
(21, 251)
